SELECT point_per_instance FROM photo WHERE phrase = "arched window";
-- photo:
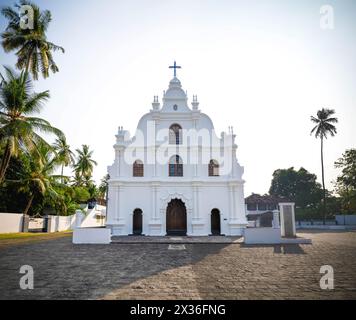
(175, 134)
(213, 168)
(175, 166)
(138, 168)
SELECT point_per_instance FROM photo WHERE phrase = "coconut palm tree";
(64, 156)
(34, 52)
(40, 180)
(85, 164)
(18, 129)
(324, 126)
(103, 187)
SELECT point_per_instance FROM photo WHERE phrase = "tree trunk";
(28, 205)
(5, 162)
(62, 174)
(323, 179)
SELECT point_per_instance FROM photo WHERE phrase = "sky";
(263, 67)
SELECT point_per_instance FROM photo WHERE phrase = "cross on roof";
(175, 67)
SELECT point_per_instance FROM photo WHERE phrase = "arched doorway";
(215, 222)
(137, 222)
(176, 218)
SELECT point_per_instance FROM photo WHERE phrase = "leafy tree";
(64, 156)
(324, 126)
(40, 180)
(12, 199)
(85, 164)
(298, 186)
(18, 129)
(81, 194)
(348, 165)
(33, 50)
(346, 181)
(103, 187)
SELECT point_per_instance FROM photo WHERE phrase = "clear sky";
(263, 67)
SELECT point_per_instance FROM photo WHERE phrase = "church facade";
(175, 176)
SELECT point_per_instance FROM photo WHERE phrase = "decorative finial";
(155, 103)
(195, 102)
(175, 67)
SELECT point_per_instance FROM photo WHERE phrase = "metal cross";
(175, 67)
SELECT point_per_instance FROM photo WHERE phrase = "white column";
(196, 202)
(154, 202)
(117, 202)
(287, 219)
(276, 219)
(240, 209)
(231, 203)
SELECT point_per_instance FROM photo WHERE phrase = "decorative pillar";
(287, 219)
(276, 219)
(154, 202)
(155, 223)
(117, 203)
(231, 202)
(196, 202)
(240, 207)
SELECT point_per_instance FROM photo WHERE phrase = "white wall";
(262, 235)
(63, 223)
(346, 219)
(10, 222)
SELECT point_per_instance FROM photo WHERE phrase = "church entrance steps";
(176, 240)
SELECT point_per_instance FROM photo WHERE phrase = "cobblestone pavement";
(200, 271)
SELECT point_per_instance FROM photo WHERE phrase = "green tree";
(324, 126)
(346, 181)
(11, 198)
(18, 129)
(85, 164)
(40, 180)
(298, 186)
(103, 187)
(64, 155)
(33, 50)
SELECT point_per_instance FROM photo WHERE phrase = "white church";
(175, 176)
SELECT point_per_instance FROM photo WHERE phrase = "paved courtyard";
(187, 271)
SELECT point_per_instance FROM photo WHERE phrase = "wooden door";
(137, 222)
(215, 222)
(176, 218)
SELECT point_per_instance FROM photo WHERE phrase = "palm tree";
(77, 180)
(324, 126)
(65, 156)
(103, 187)
(40, 180)
(34, 52)
(18, 130)
(85, 164)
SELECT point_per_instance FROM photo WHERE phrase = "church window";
(138, 168)
(175, 133)
(213, 168)
(176, 166)
(175, 107)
